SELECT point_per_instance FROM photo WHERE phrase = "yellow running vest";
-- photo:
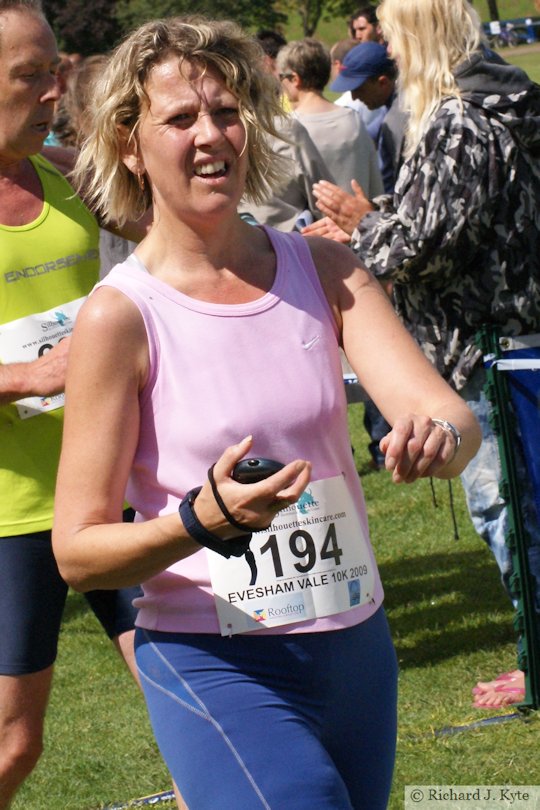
(44, 265)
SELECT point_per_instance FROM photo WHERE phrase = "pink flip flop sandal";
(502, 689)
(504, 677)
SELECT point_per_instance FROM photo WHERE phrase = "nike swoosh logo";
(308, 344)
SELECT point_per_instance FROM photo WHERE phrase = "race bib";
(313, 561)
(28, 338)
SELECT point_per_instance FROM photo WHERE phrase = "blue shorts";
(32, 599)
(305, 720)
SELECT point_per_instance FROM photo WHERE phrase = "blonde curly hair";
(428, 39)
(119, 97)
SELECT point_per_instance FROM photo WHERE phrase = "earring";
(140, 180)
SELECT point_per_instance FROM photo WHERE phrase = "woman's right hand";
(327, 227)
(254, 505)
(346, 210)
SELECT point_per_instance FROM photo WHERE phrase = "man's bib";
(45, 266)
(29, 338)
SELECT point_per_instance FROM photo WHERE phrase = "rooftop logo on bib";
(280, 610)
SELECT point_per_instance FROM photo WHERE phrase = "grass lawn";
(451, 624)
(527, 58)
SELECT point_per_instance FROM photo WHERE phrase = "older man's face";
(28, 83)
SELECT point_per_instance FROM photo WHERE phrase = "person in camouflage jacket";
(459, 240)
(460, 237)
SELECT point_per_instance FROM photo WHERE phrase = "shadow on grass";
(443, 605)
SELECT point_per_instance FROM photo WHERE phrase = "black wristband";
(235, 547)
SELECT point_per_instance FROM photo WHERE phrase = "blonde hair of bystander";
(428, 39)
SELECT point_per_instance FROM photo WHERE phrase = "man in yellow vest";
(49, 261)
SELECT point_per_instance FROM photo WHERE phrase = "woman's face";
(191, 141)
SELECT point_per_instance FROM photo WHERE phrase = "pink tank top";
(219, 372)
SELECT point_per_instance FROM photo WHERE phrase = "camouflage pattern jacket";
(460, 237)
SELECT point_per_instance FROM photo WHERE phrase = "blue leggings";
(304, 721)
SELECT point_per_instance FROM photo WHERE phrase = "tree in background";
(84, 27)
(493, 10)
(311, 12)
(250, 15)
(95, 27)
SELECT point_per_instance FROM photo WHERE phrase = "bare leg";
(124, 643)
(23, 702)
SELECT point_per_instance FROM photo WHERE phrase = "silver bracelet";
(449, 428)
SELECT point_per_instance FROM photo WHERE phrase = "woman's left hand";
(416, 447)
(254, 505)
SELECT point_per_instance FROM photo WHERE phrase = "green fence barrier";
(513, 372)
